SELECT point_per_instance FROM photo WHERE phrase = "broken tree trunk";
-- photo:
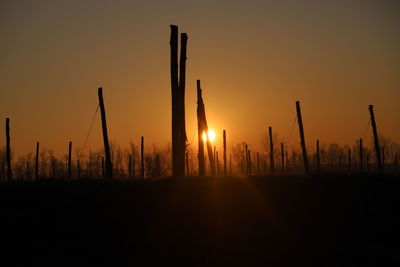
(108, 164)
(271, 151)
(376, 142)
(200, 130)
(178, 102)
(302, 139)
(8, 151)
(203, 128)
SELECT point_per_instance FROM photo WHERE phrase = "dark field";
(268, 221)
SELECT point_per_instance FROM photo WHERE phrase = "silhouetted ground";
(266, 221)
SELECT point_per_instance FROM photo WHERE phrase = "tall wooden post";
(361, 155)
(318, 158)
(142, 157)
(203, 128)
(200, 130)
(271, 151)
(108, 164)
(8, 151)
(69, 172)
(178, 102)
(282, 157)
(224, 143)
(302, 139)
(376, 141)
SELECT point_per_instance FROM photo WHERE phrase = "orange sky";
(254, 59)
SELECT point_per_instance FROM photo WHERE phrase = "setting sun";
(211, 135)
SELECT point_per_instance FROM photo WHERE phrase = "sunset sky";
(254, 58)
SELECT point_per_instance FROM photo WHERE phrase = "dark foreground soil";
(260, 221)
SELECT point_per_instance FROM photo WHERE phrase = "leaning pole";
(302, 139)
(376, 140)
(108, 164)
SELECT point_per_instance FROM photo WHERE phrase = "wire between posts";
(90, 128)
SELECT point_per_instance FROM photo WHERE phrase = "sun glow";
(211, 134)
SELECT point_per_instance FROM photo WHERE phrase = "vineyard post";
(302, 139)
(108, 163)
(376, 142)
(271, 151)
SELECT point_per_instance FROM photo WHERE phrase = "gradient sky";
(254, 59)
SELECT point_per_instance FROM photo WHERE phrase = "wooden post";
(271, 151)
(348, 159)
(142, 157)
(69, 172)
(108, 163)
(318, 158)
(203, 128)
(178, 102)
(224, 143)
(200, 131)
(361, 155)
(302, 139)
(375, 132)
(8, 151)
